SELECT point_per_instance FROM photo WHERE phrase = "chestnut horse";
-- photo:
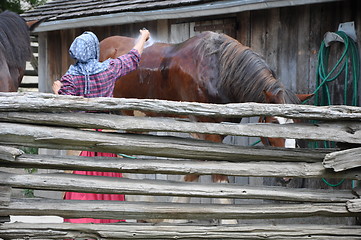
(208, 68)
(15, 49)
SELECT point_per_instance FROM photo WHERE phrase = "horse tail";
(14, 39)
(34, 24)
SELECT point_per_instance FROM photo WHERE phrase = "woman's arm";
(129, 62)
(65, 86)
(144, 36)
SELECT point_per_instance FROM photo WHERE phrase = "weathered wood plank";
(5, 195)
(49, 103)
(303, 71)
(98, 184)
(354, 205)
(9, 153)
(341, 131)
(343, 160)
(181, 231)
(162, 146)
(177, 166)
(139, 210)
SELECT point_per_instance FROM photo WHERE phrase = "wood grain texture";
(161, 146)
(333, 131)
(139, 210)
(51, 103)
(181, 231)
(343, 160)
(148, 165)
(98, 184)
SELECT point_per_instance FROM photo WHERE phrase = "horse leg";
(218, 178)
(186, 178)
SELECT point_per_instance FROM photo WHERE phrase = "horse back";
(115, 46)
(188, 71)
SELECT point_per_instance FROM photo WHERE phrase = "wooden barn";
(288, 33)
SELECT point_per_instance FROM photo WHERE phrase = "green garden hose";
(348, 62)
(350, 56)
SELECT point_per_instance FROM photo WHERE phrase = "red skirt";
(94, 196)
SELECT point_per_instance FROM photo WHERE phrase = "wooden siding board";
(303, 75)
(288, 39)
(315, 36)
(272, 38)
(258, 23)
(54, 63)
(243, 28)
(65, 40)
(179, 32)
(162, 33)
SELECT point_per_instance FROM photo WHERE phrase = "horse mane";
(14, 39)
(290, 97)
(243, 73)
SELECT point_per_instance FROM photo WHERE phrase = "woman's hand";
(144, 36)
(56, 87)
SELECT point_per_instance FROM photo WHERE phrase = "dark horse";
(15, 49)
(208, 68)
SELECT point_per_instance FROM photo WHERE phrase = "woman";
(90, 78)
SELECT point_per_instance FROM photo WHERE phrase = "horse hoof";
(286, 180)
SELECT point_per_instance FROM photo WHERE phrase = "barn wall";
(289, 38)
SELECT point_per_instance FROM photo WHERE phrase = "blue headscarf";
(85, 50)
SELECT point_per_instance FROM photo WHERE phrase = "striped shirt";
(101, 84)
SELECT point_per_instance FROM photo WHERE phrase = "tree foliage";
(20, 6)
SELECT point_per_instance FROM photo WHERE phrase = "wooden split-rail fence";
(60, 122)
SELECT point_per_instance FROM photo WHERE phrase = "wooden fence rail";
(140, 210)
(45, 120)
(241, 167)
(161, 146)
(45, 102)
(63, 182)
(190, 231)
(330, 131)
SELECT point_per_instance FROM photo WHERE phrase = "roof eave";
(208, 9)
